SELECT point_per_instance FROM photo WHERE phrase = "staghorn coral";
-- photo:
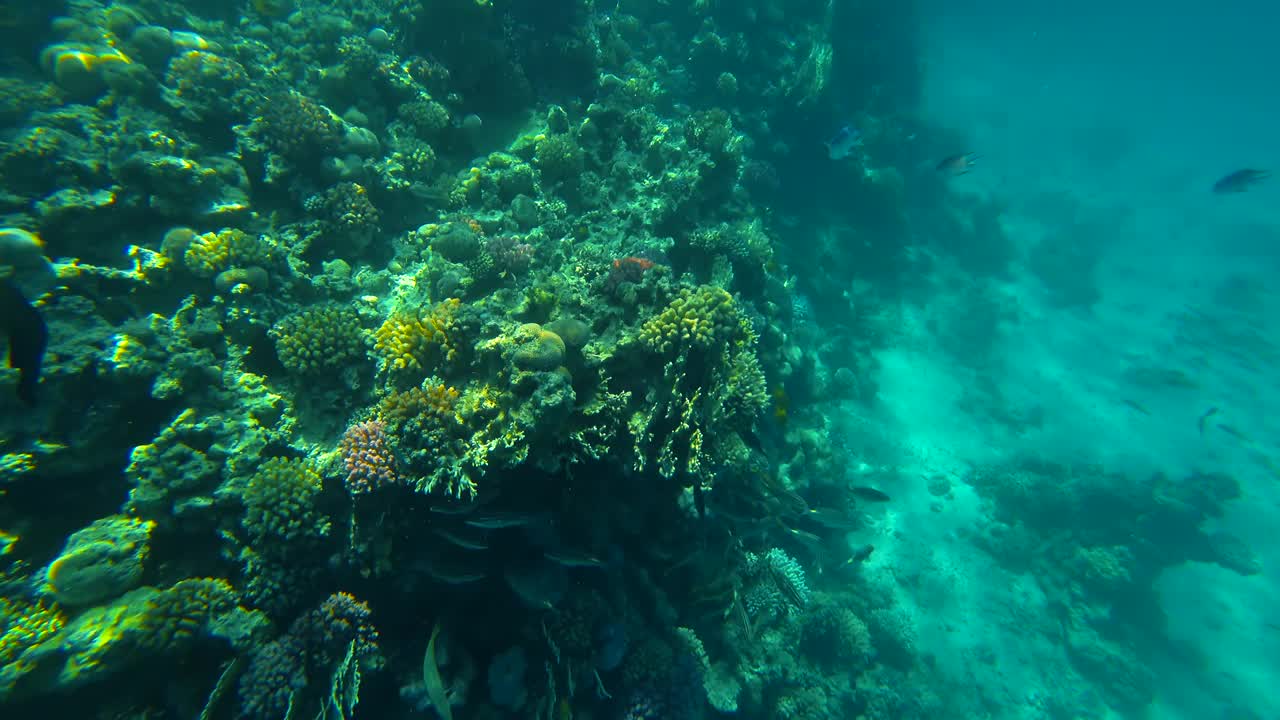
(209, 254)
(280, 509)
(320, 340)
(368, 458)
(412, 341)
(703, 318)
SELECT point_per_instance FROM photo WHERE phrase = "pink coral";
(368, 457)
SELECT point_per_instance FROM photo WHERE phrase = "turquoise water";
(638, 360)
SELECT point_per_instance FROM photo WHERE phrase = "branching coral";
(413, 341)
(703, 318)
(368, 458)
(280, 509)
(211, 253)
(320, 340)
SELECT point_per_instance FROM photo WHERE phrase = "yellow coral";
(320, 339)
(432, 399)
(211, 253)
(25, 625)
(702, 318)
(413, 340)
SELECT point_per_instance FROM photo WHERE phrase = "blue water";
(1105, 124)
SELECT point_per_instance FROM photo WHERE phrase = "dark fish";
(841, 145)
(960, 164)
(699, 501)
(28, 338)
(454, 576)
(573, 558)
(869, 493)
(861, 554)
(497, 521)
(1133, 404)
(1240, 181)
(1233, 432)
(1204, 418)
(785, 586)
(831, 519)
(466, 543)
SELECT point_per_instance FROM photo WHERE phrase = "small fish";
(497, 521)
(869, 493)
(454, 576)
(860, 555)
(28, 338)
(956, 165)
(1240, 181)
(461, 541)
(431, 679)
(1133, 404)
(842, 144)
(1233, 432)
(1204, 418)
(785, 586)
(573, 558)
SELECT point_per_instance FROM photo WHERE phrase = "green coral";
(211, 253)
(101, 561)
(320, 340)
(24, 625)
(558, 157)
(297, 127)
(280, 506)
(137, 627)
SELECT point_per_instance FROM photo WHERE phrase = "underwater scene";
(639, 360)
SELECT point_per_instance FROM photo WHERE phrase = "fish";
(28, 337)
(573, 558)
(785, 586)
(431, 679)
(860, 555)
(450, 576)
(869, 493)
(842, 144)
(497, 521)
(1134, 404)
(1204, 418)
(1233, 432)
(1240, 181)
(959, 164)
(831, 519)
(461, 541)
